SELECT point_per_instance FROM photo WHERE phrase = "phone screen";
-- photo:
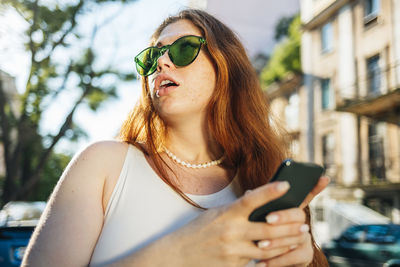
(302, 178)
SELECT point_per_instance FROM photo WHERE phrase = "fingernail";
(247, 191)
(304, 228)
(261, 264)
(283, 186)
(263, 244)
(272, 218)
(292, 247)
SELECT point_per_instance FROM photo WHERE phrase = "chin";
(172, 113)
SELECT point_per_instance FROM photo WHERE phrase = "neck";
(190, 140)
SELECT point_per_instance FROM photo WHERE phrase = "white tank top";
(143, 208)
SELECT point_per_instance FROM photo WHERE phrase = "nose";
(164, 62)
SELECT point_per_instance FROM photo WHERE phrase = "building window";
(373, 75)
(328, 151)
(376, 151)
(327, 37)
(326, 94)
(371, 10)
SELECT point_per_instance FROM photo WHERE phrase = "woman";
(198, 139)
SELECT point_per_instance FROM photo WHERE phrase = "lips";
(164, 84)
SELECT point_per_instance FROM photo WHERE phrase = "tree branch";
(68, 31)
(35, 177)
(63, 84)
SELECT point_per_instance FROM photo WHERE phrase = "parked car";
(365, 245)
(17, 222)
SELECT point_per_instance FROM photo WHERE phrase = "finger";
(321, 185)
(303, 254)
(291, 242)
(262, 231)
(251, 251)
(259, 196)
(286, 216)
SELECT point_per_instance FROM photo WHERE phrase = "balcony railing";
(376, 95)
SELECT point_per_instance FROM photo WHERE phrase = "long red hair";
(238, 115)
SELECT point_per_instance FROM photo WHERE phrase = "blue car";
(17, 222)
(365, 245)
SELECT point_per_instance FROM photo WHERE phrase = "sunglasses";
(182, 52)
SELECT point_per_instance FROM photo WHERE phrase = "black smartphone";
(302, 178)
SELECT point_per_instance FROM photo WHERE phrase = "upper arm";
(71, 223)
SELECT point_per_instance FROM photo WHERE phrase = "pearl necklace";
(193, 166)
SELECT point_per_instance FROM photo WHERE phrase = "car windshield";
(373, 233)
(354, 234)
(21, 213)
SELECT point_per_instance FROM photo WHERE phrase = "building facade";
(351, 65)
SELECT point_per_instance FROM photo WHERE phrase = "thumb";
(259, 196)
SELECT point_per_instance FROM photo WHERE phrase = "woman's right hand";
(224, 236)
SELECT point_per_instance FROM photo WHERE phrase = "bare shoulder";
(96, 162)
(69, 228)
(106, 152)
(110, 145)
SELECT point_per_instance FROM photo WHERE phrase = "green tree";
(282, 27)
(50, 174)
(52, 29)
(285, 57)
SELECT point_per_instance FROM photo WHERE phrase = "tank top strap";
(131, 157)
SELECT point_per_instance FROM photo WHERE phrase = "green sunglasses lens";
(146, 61)
(182, 52)
(185, 50)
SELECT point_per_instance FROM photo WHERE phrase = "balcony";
(374, 96)
(384, 107)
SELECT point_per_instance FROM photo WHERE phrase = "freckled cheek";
(193, 95)
(202, 89)
(202, 83)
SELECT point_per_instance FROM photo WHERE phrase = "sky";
(117, 43)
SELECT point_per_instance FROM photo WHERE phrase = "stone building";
(344, 111)
(351, 65)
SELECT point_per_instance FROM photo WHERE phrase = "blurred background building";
(351, 66)
(347, 103)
